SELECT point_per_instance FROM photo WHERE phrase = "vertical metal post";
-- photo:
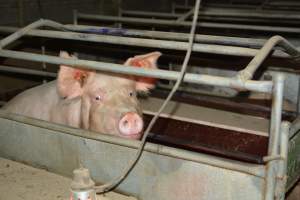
(75, 17)
(44, 66)
(282, 164)
(273, 149)
(276, 114)
(171, 83)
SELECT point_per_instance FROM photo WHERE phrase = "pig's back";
(36, 102)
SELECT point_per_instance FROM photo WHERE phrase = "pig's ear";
(70, 81)
(147, 61)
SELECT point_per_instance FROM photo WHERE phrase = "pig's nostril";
(125, 123)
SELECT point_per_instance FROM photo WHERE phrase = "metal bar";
(44, 66)
(252, 169)
(284, 3)
(273, 148)
(21, 32)
(276, 114)
(161, 22)
(248, 72)
(204, 48)
(210, 39)
(75, 19)
(26, 71)
(243, 75)
(151, 14)
(262, 86)
(240, 6)
(209, 17)
(282, 171)
(152, 43)
(224, 12)
(236, 20)
(250, 14)
(270, 180)
(298, 98)
(178, 6)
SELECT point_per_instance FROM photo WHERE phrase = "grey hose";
(114, 183)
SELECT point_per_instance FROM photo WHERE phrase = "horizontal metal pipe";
(150, 14)
(160, 22)
(220, 5)
(252, 169)
(284, 3)
(163, 44)
(26, 71)
(262, 86)
(210, 39)
(218, 18)
(236, 20)
(250, 14)
(224, 12)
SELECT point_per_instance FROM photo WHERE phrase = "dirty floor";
(22, 182)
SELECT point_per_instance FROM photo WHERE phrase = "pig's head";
(108, 101)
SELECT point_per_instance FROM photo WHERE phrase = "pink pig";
(100, 102)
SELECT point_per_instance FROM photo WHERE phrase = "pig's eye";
(98, 98)
(131, 94)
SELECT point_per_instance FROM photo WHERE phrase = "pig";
(101, 102)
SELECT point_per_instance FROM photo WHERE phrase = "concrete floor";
(22, 182)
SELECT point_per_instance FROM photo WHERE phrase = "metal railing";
(234, 82)
(241, 81)
(180, 23)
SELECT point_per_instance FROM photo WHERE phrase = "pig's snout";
(131, 125)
